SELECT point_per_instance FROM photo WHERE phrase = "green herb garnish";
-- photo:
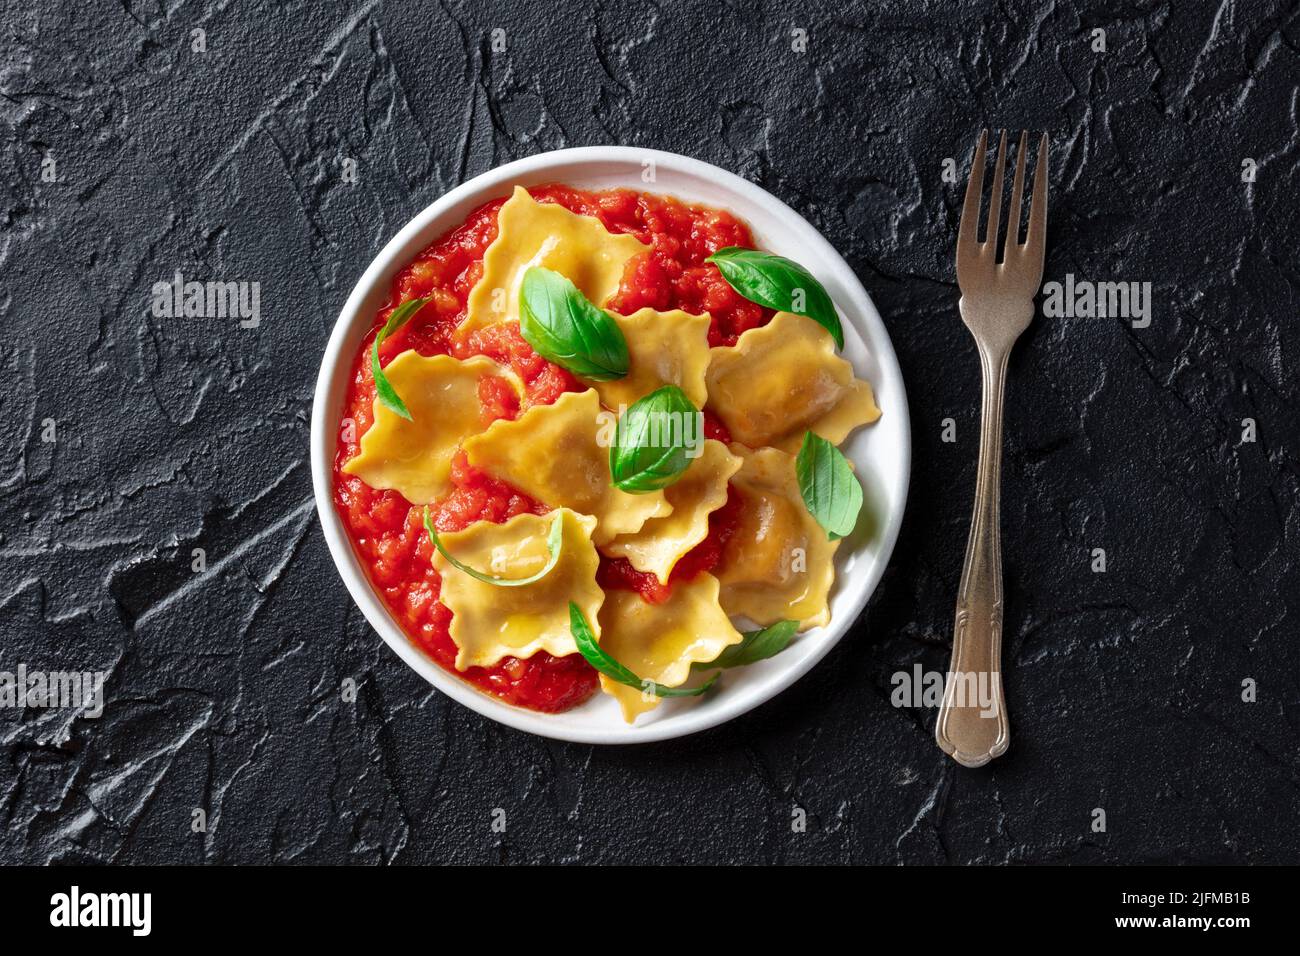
(556, 319)
(651, 441)
(612, 669)
(828, 485)
(780, 284)
(553, 542)
(754, 647)
(384, 388)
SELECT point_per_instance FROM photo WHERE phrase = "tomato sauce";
(387, 531)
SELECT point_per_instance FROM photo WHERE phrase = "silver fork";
(997, 304)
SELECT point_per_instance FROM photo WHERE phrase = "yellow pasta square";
(554, 453)
(659, 642)
(783, 379)
(661, 542)
(778, 564)
(490, 622)
(664, 348)
(531, 233)
(413, 457)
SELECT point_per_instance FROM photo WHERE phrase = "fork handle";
(972, 725)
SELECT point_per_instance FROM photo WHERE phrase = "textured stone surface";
(1124, 687)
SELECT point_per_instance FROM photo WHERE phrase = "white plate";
(881, 452)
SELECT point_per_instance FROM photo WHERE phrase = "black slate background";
(1124, 687)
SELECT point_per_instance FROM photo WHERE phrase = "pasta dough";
(783, 379)
(413, 457)
(529, 234)
(661, 542)
(659, 642)
(664, 348)
(778, 563)
(491, 622)
(552, 453)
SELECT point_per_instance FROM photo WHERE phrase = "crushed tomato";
(387, 531)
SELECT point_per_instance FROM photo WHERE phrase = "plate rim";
(327, 409)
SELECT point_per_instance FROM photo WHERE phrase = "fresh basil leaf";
(554, 540)
(563, 327)
(778, 283)
(828, 485)
(384, 388)
(612, 669)
(651, 441)
(755, 646)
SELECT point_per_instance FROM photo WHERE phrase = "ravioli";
(664, 348)
(659, 642)
(530, 233)
(553, 453)
(776, 383)
(661, 542)
(490, 622)
(784, 378)
(413, 457)
(778, 563)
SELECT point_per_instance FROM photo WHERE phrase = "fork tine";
(968, 230)
(1038, 206)
(1017, 187)
(995, 201)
